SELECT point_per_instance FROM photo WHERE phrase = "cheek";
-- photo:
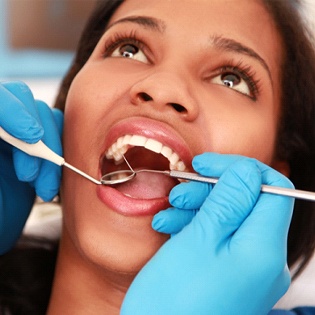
(250, 133)
(94, 92)
(79, 106)
(80, 117)
(100, 82)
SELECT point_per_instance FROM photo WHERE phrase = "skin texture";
(101, 250)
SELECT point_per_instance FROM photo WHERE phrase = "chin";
(121, 253)
(108, 240)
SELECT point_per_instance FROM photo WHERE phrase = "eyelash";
(245, 72)
(119, 39)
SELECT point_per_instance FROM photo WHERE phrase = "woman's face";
(167, 81)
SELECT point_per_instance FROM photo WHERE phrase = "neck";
(80, 287)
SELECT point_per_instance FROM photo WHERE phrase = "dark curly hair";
(296, 138)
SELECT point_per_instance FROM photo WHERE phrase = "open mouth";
(142, 153)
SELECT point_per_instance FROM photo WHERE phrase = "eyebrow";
(228, 44)
(149, 22)
(219, 42)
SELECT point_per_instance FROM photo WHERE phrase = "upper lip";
(152, 129)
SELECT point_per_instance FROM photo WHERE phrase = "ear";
(281, 166)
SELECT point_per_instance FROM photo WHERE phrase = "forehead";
(234, 16)
(194, 21)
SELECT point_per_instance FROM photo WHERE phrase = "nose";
(167, 92)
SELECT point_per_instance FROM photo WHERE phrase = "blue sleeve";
(295, 311)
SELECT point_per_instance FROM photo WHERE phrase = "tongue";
(147, 186)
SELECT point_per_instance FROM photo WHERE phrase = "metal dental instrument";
(39, 149)
(109, 179)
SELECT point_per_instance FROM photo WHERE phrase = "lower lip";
(128, 206)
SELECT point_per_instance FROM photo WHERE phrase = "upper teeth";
(121, 146)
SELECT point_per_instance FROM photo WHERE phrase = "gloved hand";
(231, 257)
(23, 176)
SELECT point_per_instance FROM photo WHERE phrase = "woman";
(224, 91)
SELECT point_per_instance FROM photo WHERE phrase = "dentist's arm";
(231, 257)
(22, 177)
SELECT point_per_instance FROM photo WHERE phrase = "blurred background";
(37, 41)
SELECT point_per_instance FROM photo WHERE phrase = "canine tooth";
(137, 140)
(153, 145)
(167, 152)
(174, 158)
(180, 166)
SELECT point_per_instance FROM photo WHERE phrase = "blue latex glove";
(231, 257)
(23, 176)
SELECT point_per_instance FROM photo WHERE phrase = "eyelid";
(118, 38)
(246, 73)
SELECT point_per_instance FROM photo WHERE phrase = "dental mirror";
(123, 176)
(119, 177)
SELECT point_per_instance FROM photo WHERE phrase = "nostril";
(145, 97)
(178, 108)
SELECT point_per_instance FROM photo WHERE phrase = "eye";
(130, 50)
(233, 81)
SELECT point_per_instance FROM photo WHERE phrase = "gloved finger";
(172, 220)
(270, 219)
(230, 201)
(265, 232)
(22, 110)
(47, 182)
(26, 166)
(214, 164)
(18, 115)
(192, 195)
(189, 195)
